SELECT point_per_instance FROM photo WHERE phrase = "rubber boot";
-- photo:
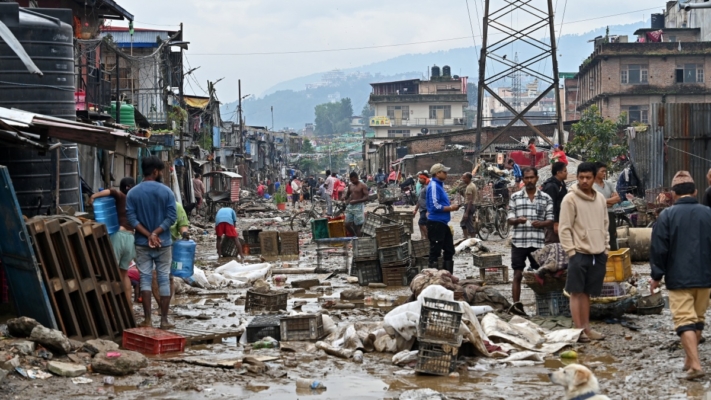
(433, 264)
(449, 266)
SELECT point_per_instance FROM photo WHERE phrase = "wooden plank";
(293, 271)
(106, 327)
(54, 281)
(77, 298)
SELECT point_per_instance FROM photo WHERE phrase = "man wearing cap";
(680, 253)
(438, 217)
(424, 181)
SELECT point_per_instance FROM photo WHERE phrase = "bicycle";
(502, 219)
(485, 220)
(301, 221)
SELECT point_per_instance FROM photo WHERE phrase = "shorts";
(124, 248)
(586, 273)
(226, 229)
(423, 218)
(148, 259)
(467, 223)
(688, 307)
(519, 256)
(355, 213)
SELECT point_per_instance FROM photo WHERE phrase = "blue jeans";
(146, 258)
(329, 204)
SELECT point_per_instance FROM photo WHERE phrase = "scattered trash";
(81, 380)
(113, 354)
(569, 354)
(109, 380)
(309, 384)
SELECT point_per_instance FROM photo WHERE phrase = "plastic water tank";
(435, 71)
(127, 114)
(183, 258)
(47, 37)
(105, 212)
(446, 71)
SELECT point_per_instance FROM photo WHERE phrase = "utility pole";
(272, 118)
(181, 94)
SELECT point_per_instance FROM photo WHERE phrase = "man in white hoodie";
(584, 235)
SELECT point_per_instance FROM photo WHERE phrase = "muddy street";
(630, 364)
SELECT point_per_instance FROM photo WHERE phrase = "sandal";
(583, 338)
(692, 375)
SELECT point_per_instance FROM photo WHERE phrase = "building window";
(634, 74)
(403, 112)
(398, 133)
(690, 73)
(128, 167)
(446, 112)
(638, 114)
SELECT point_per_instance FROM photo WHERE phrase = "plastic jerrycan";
(105, 213)
(183, 258)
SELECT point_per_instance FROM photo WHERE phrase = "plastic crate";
(365, 247)
(289, 243)
(619, 266)
(367, 272)
(337, 229)
(486, 260)
(395, 276)
(251, 236)
(389, 194)
(420, 248)
(491, 275)
(302, 327)
(319, 229)
(612, 289)
(406, 218)
(265, 302)
(436, 358)
(552, 304)
(390, 235)
(255, 249)
(374, 221)
(269, 243)
(262, 326)
(440, 321)
(152, 341)
(398, 253)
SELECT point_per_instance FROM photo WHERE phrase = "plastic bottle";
(309, 384)
(183, 258)
(358, 357)
(105, 213)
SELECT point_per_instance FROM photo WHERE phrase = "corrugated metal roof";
(646, 150)
(149, 37)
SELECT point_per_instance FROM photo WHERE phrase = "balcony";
(427, 122)
(419, 98)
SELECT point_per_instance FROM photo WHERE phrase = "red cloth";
(133, 274)
(654, 37)
(532, 149)
(561, 157)
(260, 190)
(289, 190)
(227, 229)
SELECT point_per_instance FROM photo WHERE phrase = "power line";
(560, 32)
(399, 44)
(471, 26)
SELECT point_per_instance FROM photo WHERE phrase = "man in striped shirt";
(530, 212)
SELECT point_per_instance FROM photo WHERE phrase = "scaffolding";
(506, 33)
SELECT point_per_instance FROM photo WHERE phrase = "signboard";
(379, 121)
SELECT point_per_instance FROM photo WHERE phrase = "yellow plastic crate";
(619, 266)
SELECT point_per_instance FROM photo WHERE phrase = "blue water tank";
(183, 258)
(105, 212)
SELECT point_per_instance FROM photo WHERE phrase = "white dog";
(579, 383)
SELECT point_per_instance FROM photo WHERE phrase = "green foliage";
(472, 93)
(367, 113)
(597, 138)
(307, 147)
(178, 115)
(307, 165)
(280, 195)
(332, 118)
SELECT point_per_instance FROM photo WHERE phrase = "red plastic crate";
(152, 341)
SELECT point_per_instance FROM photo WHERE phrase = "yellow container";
(619, 266)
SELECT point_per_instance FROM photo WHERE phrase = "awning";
(196, 102)
(29, 129)
(225, 173)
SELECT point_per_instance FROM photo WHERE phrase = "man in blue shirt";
(150, 209)
(515, 169)
(438, 210)
(225, 225)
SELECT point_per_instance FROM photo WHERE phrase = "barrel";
(127, 114)
(183, 258)
(105, 212)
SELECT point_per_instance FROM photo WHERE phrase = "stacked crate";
(251, 237)
(393, 253)
(289, 243)
(438, 336)
(490, 267)
(366, 265)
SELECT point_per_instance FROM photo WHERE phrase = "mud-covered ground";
(643, 364)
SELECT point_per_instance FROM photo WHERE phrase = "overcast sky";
(219, 28)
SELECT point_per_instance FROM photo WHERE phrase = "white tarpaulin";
(527, 335)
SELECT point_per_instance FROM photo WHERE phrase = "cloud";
(253, 26)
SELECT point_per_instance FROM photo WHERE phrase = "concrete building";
(622, 77)
(495, 114)
(413, 107)
(570, 97)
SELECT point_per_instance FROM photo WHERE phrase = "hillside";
(294, 104)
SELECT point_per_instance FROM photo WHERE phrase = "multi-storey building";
(416, 106)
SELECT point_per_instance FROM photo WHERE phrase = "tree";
(472, 93)
(597, 138)
(307, 147)
(333, 118)
(367, 112)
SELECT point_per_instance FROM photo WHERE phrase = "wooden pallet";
(194, 336)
